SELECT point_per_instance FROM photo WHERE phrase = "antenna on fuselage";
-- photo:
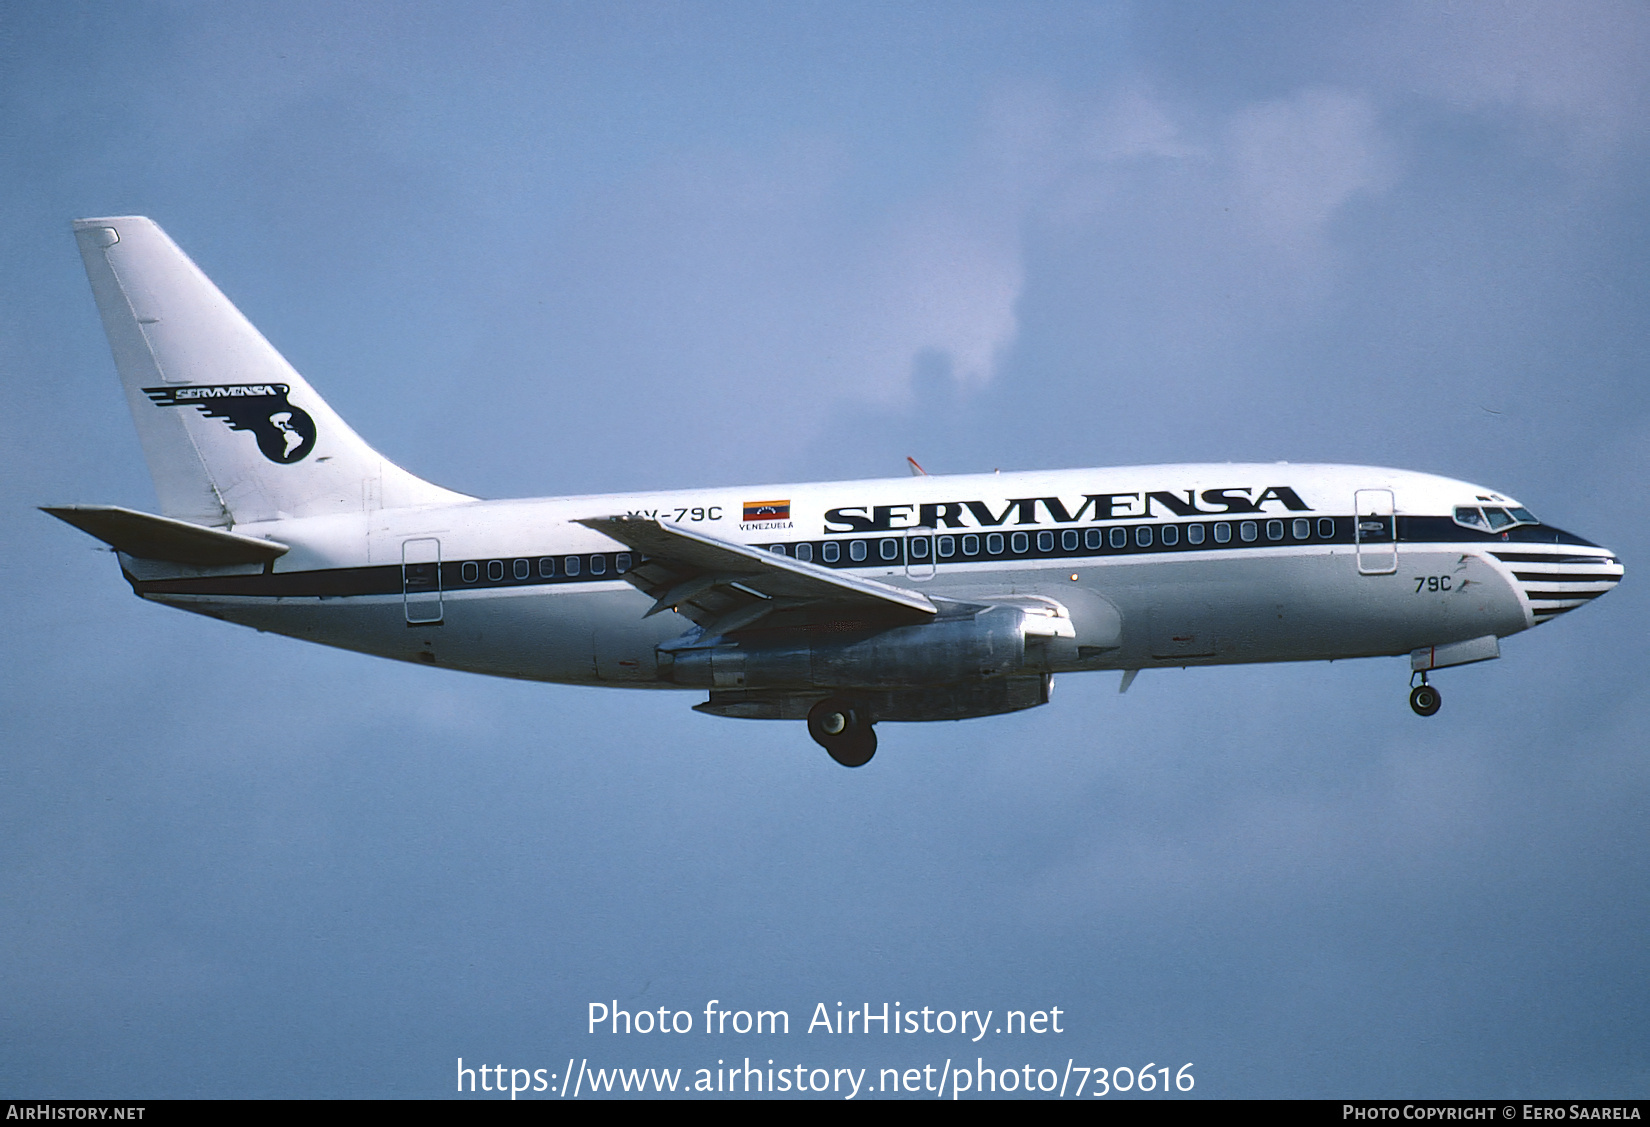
(916, 469)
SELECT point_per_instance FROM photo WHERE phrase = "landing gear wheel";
(1425, 699)
(843, 730)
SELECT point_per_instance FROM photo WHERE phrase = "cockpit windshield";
(1492, 518)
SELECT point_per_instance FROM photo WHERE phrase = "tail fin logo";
(285, 434)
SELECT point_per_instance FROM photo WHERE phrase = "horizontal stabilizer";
(162, 538)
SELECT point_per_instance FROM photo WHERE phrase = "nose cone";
(1560, 575)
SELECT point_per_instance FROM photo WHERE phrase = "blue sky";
(538, 249)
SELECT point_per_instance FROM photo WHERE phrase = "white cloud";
(946, 282)
(755, 273)
(1297, 161)
(1575, 70)
(1223, 220)
(1137, 124)
(763, 277)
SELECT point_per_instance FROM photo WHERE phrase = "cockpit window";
(1490, 518)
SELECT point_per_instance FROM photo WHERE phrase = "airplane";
(842, 604)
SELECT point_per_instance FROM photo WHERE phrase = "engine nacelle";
(951, 650)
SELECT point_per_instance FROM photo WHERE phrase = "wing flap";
(723, 586)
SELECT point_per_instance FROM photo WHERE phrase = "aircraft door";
(919, 553)
(1375, 531)
(421, 581)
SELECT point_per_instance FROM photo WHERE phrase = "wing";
(724, 587)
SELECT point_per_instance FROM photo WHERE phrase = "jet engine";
(967, 643)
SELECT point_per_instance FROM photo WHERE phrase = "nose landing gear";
(843, 729)
(1423, 698)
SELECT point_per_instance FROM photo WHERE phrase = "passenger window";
(1248, 531)
(971, 545)
(1143, 536)
(522, 569)
(777, 549)
(918, 547)
(1068, 539)
(889, 548)
(1119, 538)
(621, 563)
(598, 565)
(994, 543)
(1274, 530)
(1095, 538)
(856, 551)
(1045, 541)
(1223, 532)
(1170, 534)
(805, 552)
(547, 567)
(471, 571)
(570, 565)
(495, 570)
(1019, 541)
(1194, 534)
(831, 551)
(947, 546)
(1302, 528)
(1326, 528)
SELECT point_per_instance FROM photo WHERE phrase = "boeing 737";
(842, 604)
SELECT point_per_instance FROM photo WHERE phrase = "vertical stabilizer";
(232, 433)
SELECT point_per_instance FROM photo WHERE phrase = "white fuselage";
(1155, 565)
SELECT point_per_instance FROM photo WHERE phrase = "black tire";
(1425, 700)
(843, 730)
(855, 752)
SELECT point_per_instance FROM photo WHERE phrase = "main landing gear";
(843, 729)
(1423, 698)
